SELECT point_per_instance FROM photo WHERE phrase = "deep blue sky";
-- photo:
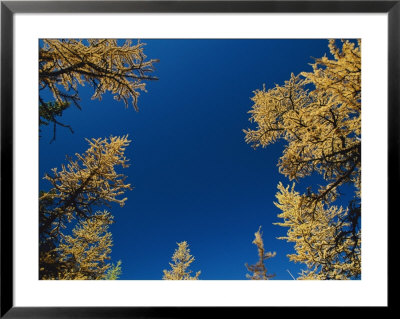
(194, 177)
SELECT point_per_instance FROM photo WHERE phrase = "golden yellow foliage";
(85, 253)
(323, 238)
(259, 270)
(181, 262)
(101, 63)
(318, 115)
(85, 183)
(322, 126)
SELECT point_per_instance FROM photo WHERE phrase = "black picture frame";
(9, 8)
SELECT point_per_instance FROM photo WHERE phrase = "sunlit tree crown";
(80, 187)
(181, 262)
(318, 115)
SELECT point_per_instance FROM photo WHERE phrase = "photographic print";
(199, 159)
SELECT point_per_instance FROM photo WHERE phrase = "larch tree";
(181, 262)
(320, 238)
(318, 115)
(259, 270)
(85, 254)
(66, 64)
(78, 189)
